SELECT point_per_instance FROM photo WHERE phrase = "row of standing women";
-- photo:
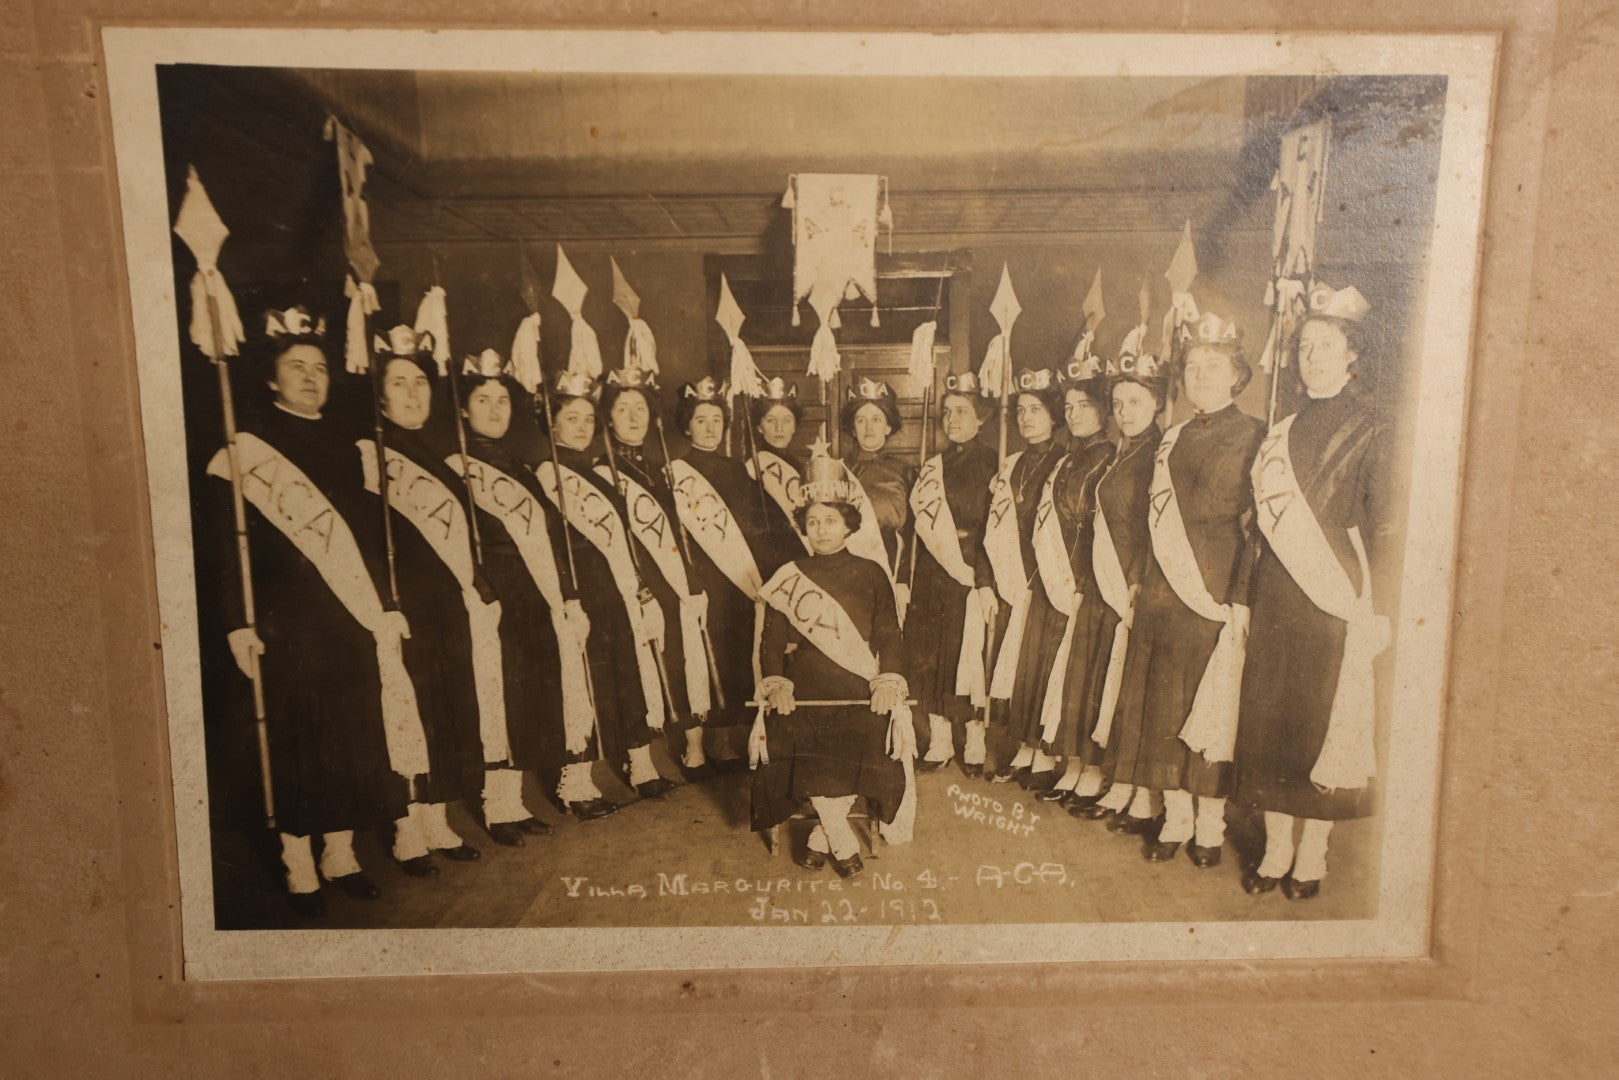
(1066, 613)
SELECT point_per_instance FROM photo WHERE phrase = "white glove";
(651, 622)
(989, 605)
(902, 600)
(887, 693)
(1077, 601)
(697, 602)
(245, 649)
(393, 625)
(776, 691)
(1238, 619)
(573, 613)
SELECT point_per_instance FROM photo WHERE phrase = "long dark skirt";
(1042, 634)
(825, 753)
(1294, 652)
(1087, 673)
(933, 630)
(533, 679)
(731, 627)
(1170, 646)
(677, 708)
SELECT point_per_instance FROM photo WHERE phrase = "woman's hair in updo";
(1232, 351)
(983, 407)
(850, 512)
(686, 408)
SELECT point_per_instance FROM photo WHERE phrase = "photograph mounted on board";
(625, 506)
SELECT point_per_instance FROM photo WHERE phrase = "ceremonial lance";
(217, 330)
(352, 160)
(432, 317)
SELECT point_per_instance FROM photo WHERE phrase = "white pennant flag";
(746, 377)
(433, 318)
(569, 289)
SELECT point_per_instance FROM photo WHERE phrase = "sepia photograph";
(633, 501)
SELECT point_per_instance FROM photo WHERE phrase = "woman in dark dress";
(625, 621)
(1120, 551)
(440, 594)
(831, 634)
(870, 418)
(319, 622)
(636, 465)
(1319, 602)
(775, 417)
(739, 538)
(1191, 614)
(945, 627)
(1072, 491)
(548, 718)
(1029, 628)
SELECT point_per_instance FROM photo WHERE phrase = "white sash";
(936, 530)
(710, 522)
(867, 541)
(1115, 590)
(596, 518)
(1005, 550)
(291, 502)
(1347, 758)
(651, 526)
(825, 624)
(437, 514)
(505, 498)
(783, 484)
(1057, 574)
(1211, 726)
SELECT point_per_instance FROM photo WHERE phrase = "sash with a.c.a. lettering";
(782, 483)
(656, 534)
(710, 522)
(506, 499)
(1115, 590)
(815, 613)
(423, 500)
(300, 511)
(1347, 758)
(593, 514)
(1057, 575)
(867, 541)
(936, 530)
(1005, 550)
(1211, 726)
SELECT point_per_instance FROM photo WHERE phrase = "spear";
(1006, 309)
(431, 316)
(199, 227)
(922, 371)
(685, 556)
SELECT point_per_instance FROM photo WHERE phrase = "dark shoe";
(1006, 774)
(1022, 776)
(1074, 802)
(812, 860)
(1040, 782)
(308, 905)
(1135, 826)
(1052, 794)
(357, 886)
(696, 774)
(655, 789)
(533, 826)
(1091, 811)
(464, 853)
(420, 866)
(1300, 890)
(849, 867)
(924, 766)
(1160, 850)
(728, 765)
(1203, 857)
(1254, 883)
(591, 809)
(506, 834)
(972, 771)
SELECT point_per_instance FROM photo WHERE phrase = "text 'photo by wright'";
(715, 500)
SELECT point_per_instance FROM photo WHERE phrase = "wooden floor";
(982, 853)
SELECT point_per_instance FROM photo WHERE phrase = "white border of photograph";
(1404, 905)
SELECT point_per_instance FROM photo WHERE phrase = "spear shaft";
(685, 554)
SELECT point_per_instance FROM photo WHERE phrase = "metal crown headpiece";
(1145, 366)
(403, 340)
(779, 389)
(487, 364)
(965, 382)
(1077, 370)
(1211, 329)
(1346, 303)
(1037, 379)
(576, 384)
(633, 378)
(292, 322)
(867, 389)
(707, 389)
(825, 478)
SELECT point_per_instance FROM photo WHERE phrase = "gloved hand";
(573, 613)
(887, 693)
(989, 605)
(652, 627)
(1238, 620)
(245, 649)
(698, 603)
(776, 691)
(393, 625)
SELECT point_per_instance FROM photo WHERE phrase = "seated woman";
(831, 635)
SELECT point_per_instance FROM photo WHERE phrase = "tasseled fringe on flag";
(796, 318)
(746, 378)
(526, 353)
(362, 302)
(824, 362)
(921, 368)
(640, 348)
(995, 372)
(584, 351)
(433, 317)
(885, 217)
(230, 320)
